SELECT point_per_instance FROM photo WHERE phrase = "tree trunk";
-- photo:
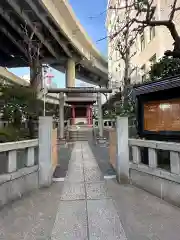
(127, 61)
(36, 76)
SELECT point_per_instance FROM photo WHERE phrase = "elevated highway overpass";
(10, 78)
(52, 25)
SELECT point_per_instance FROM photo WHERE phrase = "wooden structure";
(83, 98)
(158, 109)
(81, 107)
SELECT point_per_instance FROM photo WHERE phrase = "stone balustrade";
(11, 149)
(153, 146)
(14, 180)
(106, 123)
(164, 183)
(146, 170)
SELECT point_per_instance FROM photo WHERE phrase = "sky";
(89, 14)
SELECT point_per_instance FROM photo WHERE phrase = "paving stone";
(73, 168)
(143, 215)
(88, 165)
(103, 221)
(92, 175)
(96, 190)
(32, 217)
(73, 191)
(75, 176)
(71, 221)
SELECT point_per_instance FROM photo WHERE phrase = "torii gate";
(61, 92)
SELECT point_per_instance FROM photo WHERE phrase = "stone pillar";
(45, 151)
(61, 116)
(70, 73)
(100, 117)
(91, 115)
(88, 114)
(73, 114)
(122, 161)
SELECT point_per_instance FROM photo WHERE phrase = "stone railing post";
(45, 151)
(175, 162)
(152, 157)
(12, 161)
(136, 154)
(30, 157)
(122, 161)
(61, 116)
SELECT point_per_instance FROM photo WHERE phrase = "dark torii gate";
(61, 92)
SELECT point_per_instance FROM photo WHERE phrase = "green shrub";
(12, 134)
(165, 67)
(8, 134)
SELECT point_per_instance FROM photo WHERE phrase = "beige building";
(148, 46)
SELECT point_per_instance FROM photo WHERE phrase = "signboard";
(162, 115)
(158, 109)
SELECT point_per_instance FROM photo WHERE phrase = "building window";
(152, 60)
(143, 70)
(142, 40)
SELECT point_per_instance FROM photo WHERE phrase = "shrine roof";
(159, 85)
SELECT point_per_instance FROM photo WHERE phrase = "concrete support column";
(122, 161)
(100, 116)
(45, 151)
(61, 115)
(70, 73)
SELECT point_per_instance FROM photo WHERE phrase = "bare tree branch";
(33, 49)
(173, 10)
(120, 8)
(141, 13)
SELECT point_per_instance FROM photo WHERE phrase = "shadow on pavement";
(101, 154)
(64, 155)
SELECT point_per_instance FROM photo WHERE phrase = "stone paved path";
(86, 207)
(86, 211)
